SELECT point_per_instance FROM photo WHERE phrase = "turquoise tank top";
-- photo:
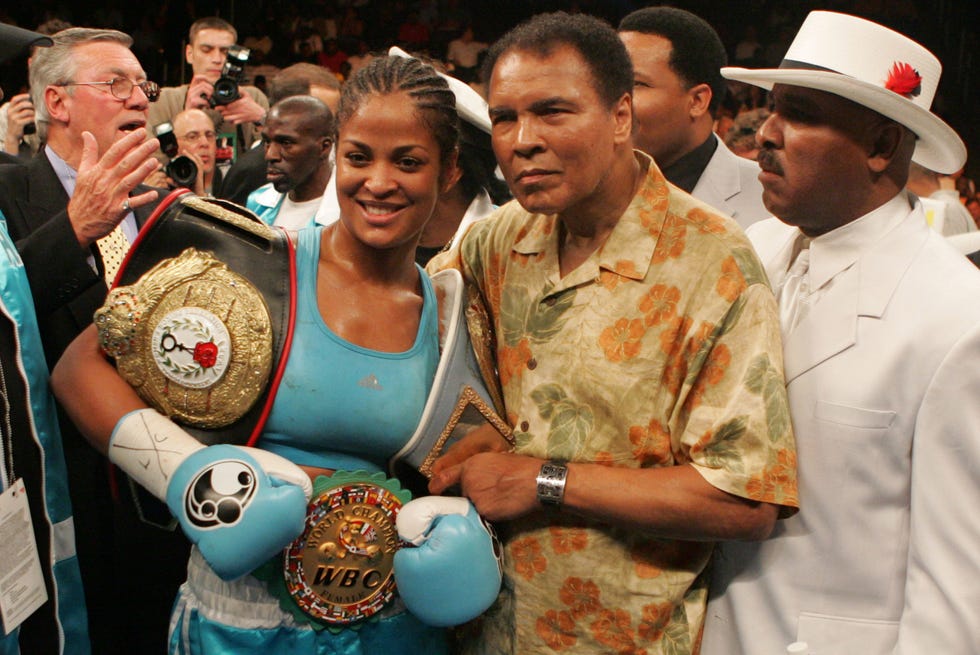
(341, 406)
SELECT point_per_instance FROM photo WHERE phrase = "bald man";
(298, 137)
(195, 134)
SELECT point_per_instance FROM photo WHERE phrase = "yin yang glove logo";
(219, 494)
(498, 549)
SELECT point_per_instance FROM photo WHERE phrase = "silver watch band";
(551, 483)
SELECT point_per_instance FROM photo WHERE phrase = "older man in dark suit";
(72, 212)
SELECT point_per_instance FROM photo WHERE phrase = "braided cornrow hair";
(434, 100)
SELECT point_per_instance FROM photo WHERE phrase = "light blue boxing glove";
(239, 505)
(453, 574)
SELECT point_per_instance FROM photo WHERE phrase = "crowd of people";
(336, 36)
(714, 288)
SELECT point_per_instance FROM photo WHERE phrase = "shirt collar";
(66, 174)
(837, 250)
(629, 249)
(686, 171)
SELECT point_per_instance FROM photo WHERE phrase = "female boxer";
(365, 350)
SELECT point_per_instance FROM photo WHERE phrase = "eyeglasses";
(197, 136)
(121, 88)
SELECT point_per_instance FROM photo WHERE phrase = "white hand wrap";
(415, 518)
(149, 447)
(277, 466)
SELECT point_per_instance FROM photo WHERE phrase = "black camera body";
(232, 73)
(181, 168)
(29, 128)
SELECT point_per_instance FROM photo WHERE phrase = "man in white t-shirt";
(298, 137)
(464, 54)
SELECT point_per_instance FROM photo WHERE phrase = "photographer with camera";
(18, 122)
(189, 143)
(216, 87)
(18, 133)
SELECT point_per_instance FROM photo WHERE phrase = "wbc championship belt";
(340, 570)
(199, 321)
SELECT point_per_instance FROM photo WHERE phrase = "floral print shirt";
(662, 349)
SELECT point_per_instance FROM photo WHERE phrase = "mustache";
(768, 162)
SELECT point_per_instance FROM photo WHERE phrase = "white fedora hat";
(469, 105)
(873, 66)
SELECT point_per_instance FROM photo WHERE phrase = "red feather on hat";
(904, 80)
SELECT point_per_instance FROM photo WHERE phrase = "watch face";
(193, 338)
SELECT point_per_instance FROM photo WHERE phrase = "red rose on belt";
(206, 354)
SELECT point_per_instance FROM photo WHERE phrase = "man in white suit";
(677, 87)
(882, 359)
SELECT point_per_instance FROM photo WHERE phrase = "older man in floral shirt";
(637, 346)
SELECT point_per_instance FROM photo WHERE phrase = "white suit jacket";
(883, 377)
(731, 185)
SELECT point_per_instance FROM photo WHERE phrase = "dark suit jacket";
(130, 571)
(245, 176)
(66, 290)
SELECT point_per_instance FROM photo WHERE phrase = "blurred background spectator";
(283, 32)
(740, 137)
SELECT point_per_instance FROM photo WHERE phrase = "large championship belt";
(340, 571)
(460, 400)
(199, 320)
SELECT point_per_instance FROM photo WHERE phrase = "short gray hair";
(57, 65)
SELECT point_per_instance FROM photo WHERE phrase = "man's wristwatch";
(551, 483)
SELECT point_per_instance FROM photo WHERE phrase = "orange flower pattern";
(528, 560)
(777, 481)
(581, 596)
(660, 304)
(711, 374)
(556, 629)
(613, 629)
(731, 284)
(655, 619)
(660, 349)
(651, 443)
(706, 222)
(566, 540)
(622, 340)
(673, 239)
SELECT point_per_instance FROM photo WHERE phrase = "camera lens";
(183, 171)
(225, 91)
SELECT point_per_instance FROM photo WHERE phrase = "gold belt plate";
(192, 337)
(341, 569)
